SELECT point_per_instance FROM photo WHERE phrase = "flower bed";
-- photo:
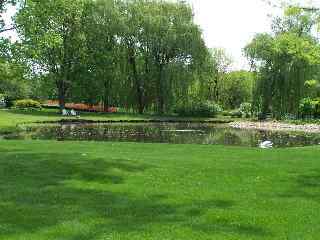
(82, 107)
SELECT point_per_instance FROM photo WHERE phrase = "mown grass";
(85, 190)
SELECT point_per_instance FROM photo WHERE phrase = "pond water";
(178, 133)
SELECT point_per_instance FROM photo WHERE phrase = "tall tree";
(101, 56)
(175, 39)
(52, 31)
(221, 65)
(139, 54)
(284, 60)
(14, 81)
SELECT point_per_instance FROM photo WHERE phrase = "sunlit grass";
(69, 190)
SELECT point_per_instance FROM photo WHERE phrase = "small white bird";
(266, 144)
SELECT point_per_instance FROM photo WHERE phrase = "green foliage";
(246, 109)
(284, 61)
(147, 55)
(139, 55)
(236, 113)
(312, 88)
(218, 63)
(236, 88)
(2, 101)
(13, 71)
(317, 108)
(27, 103)
(198, 109)
(225, 113)
(306, 107)
(309, 108)
(50, 32)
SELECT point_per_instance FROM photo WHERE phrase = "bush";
(309, 108)
(289, 117)
(246, 109)
(198, 109)
(8, 102)
(2, 100)
(225, 113)
(27, 103)
(236, 113)
(261, 116)
(316, 113)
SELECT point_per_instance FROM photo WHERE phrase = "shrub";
(236, 113)
(2, 100)
(8, 101)
(307, 107)
(246, 109)
(225, 113)
(316, 111)
(27, 103)
(198, 109)
(289, 117)
(261, 116)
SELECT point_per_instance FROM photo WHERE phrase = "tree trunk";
(61, 95)
(216, 88)
(139, 86)
(138, 82)
(106, 97)
(140, 99)
(161, 109)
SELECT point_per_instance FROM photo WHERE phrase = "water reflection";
(179, 133)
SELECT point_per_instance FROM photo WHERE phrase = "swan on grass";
(266, 144)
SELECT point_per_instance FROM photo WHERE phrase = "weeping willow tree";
(137, 54)
(169, 46)
(284, 61)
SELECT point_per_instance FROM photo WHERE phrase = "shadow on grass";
(36, 113)
(309, 181)
(306, 186)
(6, 151)
(41, 191)
(226, 226)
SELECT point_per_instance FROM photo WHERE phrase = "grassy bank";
(9, 119)
(69, 190)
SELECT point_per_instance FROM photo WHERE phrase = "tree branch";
(311, 9)
(7, 29)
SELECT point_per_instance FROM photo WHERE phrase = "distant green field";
(9, 118)
(67, 190)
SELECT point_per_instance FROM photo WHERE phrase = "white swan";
(266, 144)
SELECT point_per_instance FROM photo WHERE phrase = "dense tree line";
(142, 54)
(149, 55)
(285, 61)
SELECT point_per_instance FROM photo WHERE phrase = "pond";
(178, 133)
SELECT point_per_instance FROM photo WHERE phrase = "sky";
(231, 24)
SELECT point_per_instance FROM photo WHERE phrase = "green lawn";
(10, 118)
(80, 190)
